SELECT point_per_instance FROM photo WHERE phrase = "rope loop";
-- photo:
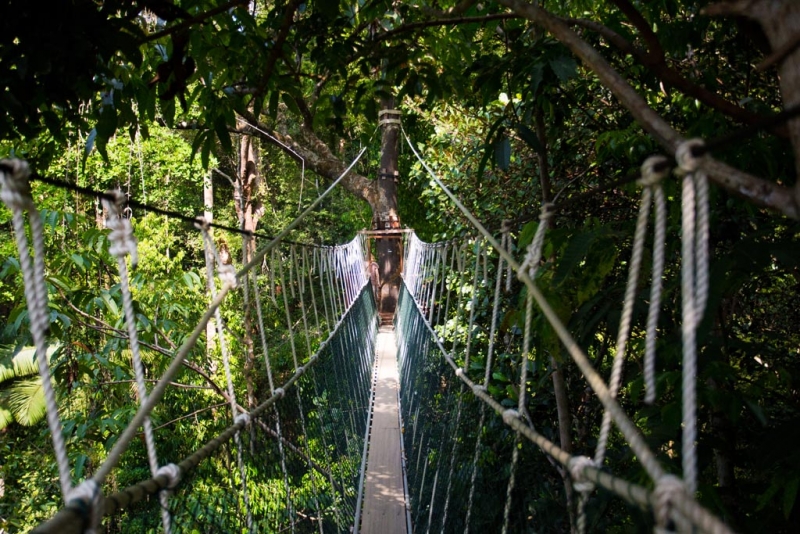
(685, 157)
(548, 210)
(173, 474)
(16, 190)
(123, 242)
(654, 170)
(668, 489)
(90, 499)
(579, 481)
(201, 223)
(242, 418)
(534, 254)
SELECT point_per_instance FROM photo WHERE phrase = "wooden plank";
(384, 498)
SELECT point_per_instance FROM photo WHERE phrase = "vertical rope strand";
(122, 244)
(16, 194)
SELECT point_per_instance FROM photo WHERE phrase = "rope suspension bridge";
(435, 434)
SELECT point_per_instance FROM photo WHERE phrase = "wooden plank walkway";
(384, 497)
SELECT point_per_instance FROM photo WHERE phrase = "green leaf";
(502, 153)
(527, 135)
(6, 417)
(110, 303)
(26, 400)
(21, 364)
(107, 124)
(221, 129)
(564, 67)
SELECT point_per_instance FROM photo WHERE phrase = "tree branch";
(756, 190)
(316, 155)
(277, 45)
(444, 22)
(659, 67)
(655, 50)
(107, 329)
(191, 22)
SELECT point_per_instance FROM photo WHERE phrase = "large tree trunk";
(780, 20)
(249, 210)
(208, 206)
(385, 216)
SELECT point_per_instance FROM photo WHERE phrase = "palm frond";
(6, 417)
(26, 400)
(22, 364)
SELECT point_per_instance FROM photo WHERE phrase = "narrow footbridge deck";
(384, 494)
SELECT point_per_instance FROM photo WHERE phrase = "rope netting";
(468, 356)
(285, 456)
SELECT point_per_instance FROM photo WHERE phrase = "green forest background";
(157, 98)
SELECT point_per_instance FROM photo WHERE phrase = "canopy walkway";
(439, 437)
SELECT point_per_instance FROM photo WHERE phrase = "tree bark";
(208, 206)
(249, 210)
(385, 215)
(780, 20)
(756, 190)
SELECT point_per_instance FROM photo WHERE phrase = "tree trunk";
(208, 206)
(385, 216)
(559, 384)
(249, 210)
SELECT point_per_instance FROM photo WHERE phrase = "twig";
(190, 22)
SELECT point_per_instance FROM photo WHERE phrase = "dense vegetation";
(150, 96)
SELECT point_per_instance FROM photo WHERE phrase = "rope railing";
(676, 501)
(280, 278)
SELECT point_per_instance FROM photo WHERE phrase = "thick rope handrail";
(16, 194)
(626, 426)
(635, 494)
(694, 292)
(71, 517)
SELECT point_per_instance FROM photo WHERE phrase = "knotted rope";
(123, 243)
(16, 194)
(694, 291)
(230, 281)
(654, 170)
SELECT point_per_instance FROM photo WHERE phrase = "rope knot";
(459, 372)
(172, 472)
(548, 210)
(668, 489)
(122, 240)
(227, 273)
(16, 190)
(89, 498)
(280, 392)
(242, 418)
(300, 370)
(689, 155)
(654, 170)
(510, 415)
(202, 224)
(576, 471)
(478, 388)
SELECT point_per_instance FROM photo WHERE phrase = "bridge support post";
(388, 246)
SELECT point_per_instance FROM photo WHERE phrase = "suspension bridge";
(417, 425)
